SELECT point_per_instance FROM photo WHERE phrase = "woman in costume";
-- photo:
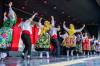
(26, 34)
(86, 44)
(6, 32)
(70, 39)
(43, 44)
(79, 38)
(11, 19)
(93, 45)
(54, 37)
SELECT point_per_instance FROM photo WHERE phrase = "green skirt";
(44, 42)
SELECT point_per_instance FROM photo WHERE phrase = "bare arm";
(79, 30)
(40, 25)
(65, 27)
(52, 20)
(11, 13)
(5, 18)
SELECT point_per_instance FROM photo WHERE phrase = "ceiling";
(77, 11)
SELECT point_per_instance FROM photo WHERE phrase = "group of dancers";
(71, 43)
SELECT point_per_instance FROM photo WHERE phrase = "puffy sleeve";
(53, 22)
(11, 14)
(64, 35)
(79, 30)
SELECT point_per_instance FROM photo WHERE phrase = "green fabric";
(43, 42)
(5, 37)
(9, 22)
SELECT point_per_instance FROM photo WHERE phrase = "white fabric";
(53, 31)
(26, 25)
(11, 14)
(3, 55)
(64, 35)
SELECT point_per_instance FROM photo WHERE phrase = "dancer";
(6, 32)
(54, 37)
(71, 31)
(11, 19)
(79, 43)
(25, 35)
(43, 44)
(86, 44)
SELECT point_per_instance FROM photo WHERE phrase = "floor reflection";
(17, 61)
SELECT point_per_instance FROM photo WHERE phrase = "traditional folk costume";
(26, 35)
(70, 43)
(93, 46)
(86, 44)
(43, 43)
(54, 37)
(97, 46)
(10, 21)
(79, 44)
(6, 32)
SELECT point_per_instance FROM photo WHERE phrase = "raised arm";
(79, 30)
(5, 18)
(40, 25)
(11, 13)
(33, 16)
(52, 21)
(31, 19)
(65, 27)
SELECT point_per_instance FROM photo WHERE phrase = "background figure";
(79, 44)
(54, 37)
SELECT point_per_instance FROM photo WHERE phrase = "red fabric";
(35, 35)
(16, 36)
(86, 44)
(52, 49)
(54, 36)
(26, 32)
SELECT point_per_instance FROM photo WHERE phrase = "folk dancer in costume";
(79, 43)
(11, 19)
(43, 44)
(93, 45)
(97, 47)
(54, 37)
(8, 23)
(25, 36)
(86, 44)
(71, 31)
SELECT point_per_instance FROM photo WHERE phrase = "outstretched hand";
(34, 15)
(64, 22)
(5, 13)
(10, 4)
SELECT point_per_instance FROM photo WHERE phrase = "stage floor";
(53, 61)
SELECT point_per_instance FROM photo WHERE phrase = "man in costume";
(26, 34)
(70, 39)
